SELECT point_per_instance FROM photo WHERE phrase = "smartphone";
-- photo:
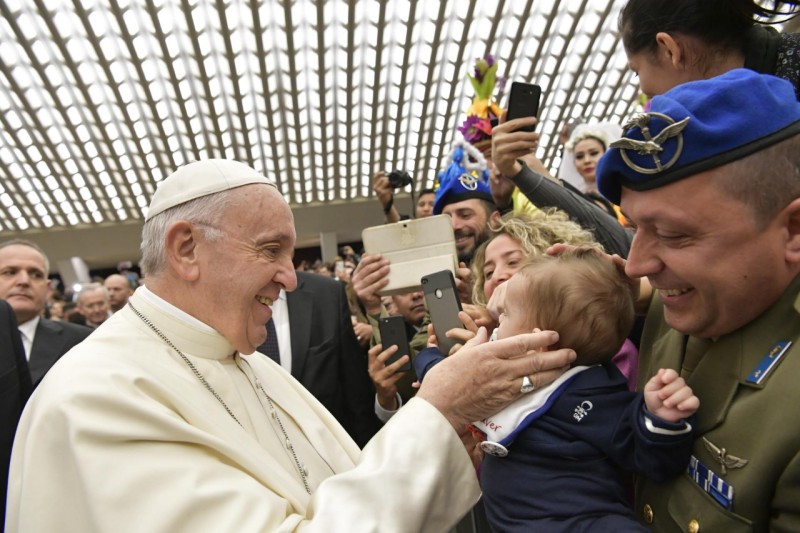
(523, 101)
(441, 299)
(393, 331)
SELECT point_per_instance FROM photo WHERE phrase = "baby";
(560, 458)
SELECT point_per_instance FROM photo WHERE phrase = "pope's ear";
(181, 243)
(792, 217)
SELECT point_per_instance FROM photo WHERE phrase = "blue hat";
(465, 177)
(698, 126)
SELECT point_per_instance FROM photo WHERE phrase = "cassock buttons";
(648, 514)
(494, 448)
(694, 526)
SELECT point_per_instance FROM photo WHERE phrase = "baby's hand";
(668, 397)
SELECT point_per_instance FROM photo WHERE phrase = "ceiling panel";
(100, 100)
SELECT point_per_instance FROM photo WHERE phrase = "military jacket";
(748, 426)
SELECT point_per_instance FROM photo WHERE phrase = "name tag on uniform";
(714, 485)
(769, 362)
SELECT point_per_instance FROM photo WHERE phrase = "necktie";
(270, 346)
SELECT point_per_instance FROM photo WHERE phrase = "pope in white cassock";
(159, 422)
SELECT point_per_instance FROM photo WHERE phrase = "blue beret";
(698, 126)
(462, 179)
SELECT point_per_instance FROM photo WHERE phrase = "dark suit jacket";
(15, 388)
(326, 357)
(52, 340)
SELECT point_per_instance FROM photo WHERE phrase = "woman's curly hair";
(535, 232)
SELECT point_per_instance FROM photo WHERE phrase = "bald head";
(119, 290)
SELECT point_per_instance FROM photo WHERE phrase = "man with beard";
(464, 195)
(394, 388)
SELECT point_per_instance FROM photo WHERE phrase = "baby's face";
(516, 311)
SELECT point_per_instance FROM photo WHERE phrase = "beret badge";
(468, 181)
(654, 146)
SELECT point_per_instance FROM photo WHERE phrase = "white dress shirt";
(28, 332)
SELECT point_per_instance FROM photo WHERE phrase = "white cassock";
(122, 436)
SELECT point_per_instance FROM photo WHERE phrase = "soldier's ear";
(791, 214)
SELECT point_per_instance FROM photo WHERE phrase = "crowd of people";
(628, 348)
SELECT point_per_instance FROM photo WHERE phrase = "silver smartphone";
(441, 299)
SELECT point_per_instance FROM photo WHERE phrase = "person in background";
(164, 420)
(715, 198)
(24, 268)
(323, 268)
(384, 191)
(669, 42)
(311, 339)
(394, 388)
(93, 304)
(586, 146)
(54, 310)
(584, 434)
(119, 290)
(518, 168)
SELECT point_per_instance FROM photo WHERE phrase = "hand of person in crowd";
(502, 188)
(382, 188)
(668, 396)
(483, 377)
(363, 333)
(509, 143)
(473, 446)
(464, 334)
(385, 377)
(464, 283)
(368, 278)
(481, 316)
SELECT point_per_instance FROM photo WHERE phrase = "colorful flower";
(484, 108)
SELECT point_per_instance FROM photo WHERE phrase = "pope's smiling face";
(244, 269)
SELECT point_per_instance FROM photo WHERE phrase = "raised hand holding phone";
(393, 332)
(524, 101)
(441, 298)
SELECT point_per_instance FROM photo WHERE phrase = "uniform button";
(694, 526)
(494, 448)
(648, 514)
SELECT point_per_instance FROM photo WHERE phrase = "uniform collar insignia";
(652, 146)
(722, 456)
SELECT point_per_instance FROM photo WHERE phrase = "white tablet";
(414, 248)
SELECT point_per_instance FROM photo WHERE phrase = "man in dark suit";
(15, 388)
(23, 284)
(325, 355)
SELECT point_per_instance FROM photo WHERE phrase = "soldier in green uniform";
(710, 176)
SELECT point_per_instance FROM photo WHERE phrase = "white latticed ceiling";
(99, 100)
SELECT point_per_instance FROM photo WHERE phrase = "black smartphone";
(441, 299)
(523, 101)
(393, 331)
